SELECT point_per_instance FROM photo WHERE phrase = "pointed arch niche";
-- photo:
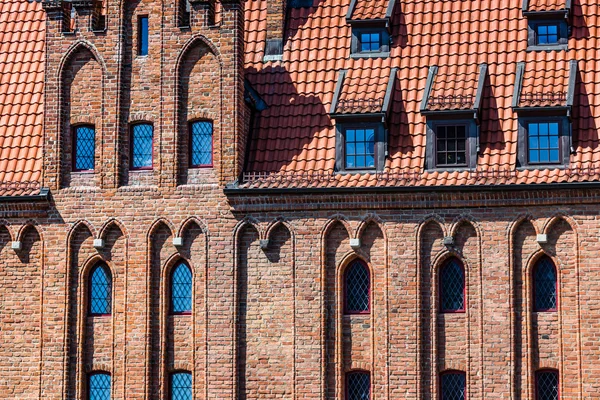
(265, 313)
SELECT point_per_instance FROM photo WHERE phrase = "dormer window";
(548, 27)
(370, 28)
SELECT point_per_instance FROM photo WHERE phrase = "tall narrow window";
(100, 291)
(453, 385)
(143, 35)
(547, 385)
(544, 143)
(84, 148)
(360, 148)
(181, 289)
(544, 285)
(141, 146)
(358, 287)
(181, 386)
(201, 144)
(452, 286)
(358, 385)
(99, 386)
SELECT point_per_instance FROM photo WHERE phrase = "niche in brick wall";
(265, 285)
(199, 100)
(82, 95)
(20, 278)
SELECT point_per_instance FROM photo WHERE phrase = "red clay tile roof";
(547, 89)
(364, 93)
(22, 32)
(370, 9)
(294, 143)
(547, 5)
(454, 87)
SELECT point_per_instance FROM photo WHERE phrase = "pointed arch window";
(545, 285)
(99, 386)
(181, 289)
(358, 385)
(547, 385)
(100, 290)
(453, 385)
(452, 287)
(181, 386)
(357, 287)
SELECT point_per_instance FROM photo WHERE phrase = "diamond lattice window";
(544, 277)
(181, 289)
(141, 146)
(452, 285)
(547, 385)
(181, 386)
(84, 148)
(100, 291)
(201, 144)
(358, 386)
(99, 386)
(453, 386)
(357, 288)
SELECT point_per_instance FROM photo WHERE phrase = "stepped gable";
(22, 32)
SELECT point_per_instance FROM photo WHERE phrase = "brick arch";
(113, 222)
(278, 223)
(431, 219)
(331, 223)
(157, 224)
(368, 220)
(557, 218)
(189, 222)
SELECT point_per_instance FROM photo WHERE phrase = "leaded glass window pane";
(84, 146)
(181, 386)
(201, 144)
(100, 291)
(99, 386)
(547, 385)
(453, 386)
(452, 284)
(358, 386)
(181, 289)
(545, 285)
(357, 288)
(141, 153)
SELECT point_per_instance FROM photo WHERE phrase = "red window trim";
(354, 372)
(212, 145)
(356, 312)
(89, 289)
(450, 372)
(177, 264)
(74, 128)
(178, 371)
(131, 167)
(542, 370)
(534, 292)
(441, 293)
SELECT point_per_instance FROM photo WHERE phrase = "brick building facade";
(282, 222)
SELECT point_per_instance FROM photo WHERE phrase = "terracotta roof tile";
(455, 87)
(22, 33)
(545, 83)
(366, 9)
(364, 93)
(547, 5)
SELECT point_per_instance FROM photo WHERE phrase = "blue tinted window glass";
(201, 140)
(360, 148)
(544, 142)
(143, 36)
(181, 386)
(100, 296)
(99, 386)
(370, 42)
(141, 146)
(547, 34)
(85, 145)
(181, 289)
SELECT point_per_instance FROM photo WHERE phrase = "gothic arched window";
(452, 286)
(357, 286)
(181, 289)
(100, 290)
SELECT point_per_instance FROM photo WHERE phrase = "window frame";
(356, 43)
(140, 36)
(546, 370)
(564, 142)
(471, 133)
(131, 129)
(180, 371)
(451, 372)
(534, 285)
(380, 145)
(74, 136)
(534, 22)
(108, 272)
(357, 372)
(444, 265)
(89, 379)
(364, 265)
(212, 144)
(171, 308)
